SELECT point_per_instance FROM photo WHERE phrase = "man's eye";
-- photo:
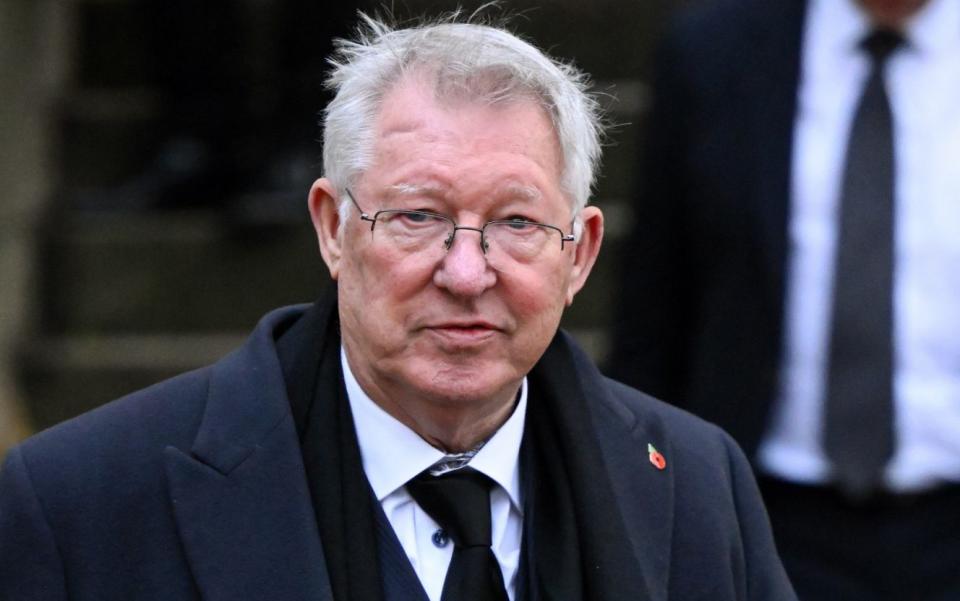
(519, 222)
(417, 217)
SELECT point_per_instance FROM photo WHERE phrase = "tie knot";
(881, 43)
(459, 501)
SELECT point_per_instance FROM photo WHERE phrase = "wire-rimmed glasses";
(418, 231)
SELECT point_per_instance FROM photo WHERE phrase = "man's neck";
(459, 432)
(891, 14)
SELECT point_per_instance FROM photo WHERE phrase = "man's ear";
(586, 250)
(323, 203)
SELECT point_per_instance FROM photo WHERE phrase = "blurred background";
(155, 158)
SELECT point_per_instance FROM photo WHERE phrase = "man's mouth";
(465, 333)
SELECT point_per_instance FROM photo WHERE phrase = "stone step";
(172, 272)
(63, 376)
(110, 47)
(105, 135)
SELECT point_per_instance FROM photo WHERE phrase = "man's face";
(447, 328)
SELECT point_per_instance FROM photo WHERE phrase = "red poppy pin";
(656, 458)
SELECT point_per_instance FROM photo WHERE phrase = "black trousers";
(889, 547)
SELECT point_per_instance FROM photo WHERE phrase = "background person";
(793, 277)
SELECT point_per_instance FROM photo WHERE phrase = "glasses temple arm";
(364, 216)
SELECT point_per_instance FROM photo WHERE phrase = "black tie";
(460, 502)
(859, 436)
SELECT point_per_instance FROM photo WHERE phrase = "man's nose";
(464, 269)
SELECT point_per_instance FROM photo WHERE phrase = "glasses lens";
(521, 240)
(412, 231)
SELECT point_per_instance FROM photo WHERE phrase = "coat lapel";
(644, 492)
(240, 497)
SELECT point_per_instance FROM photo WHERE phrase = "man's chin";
(460, 384)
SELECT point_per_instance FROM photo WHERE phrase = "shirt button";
(440, 538)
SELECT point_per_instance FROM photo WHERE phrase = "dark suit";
(196, 488)
(702, 313)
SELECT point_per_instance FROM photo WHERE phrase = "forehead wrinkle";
(408, 189)
(511, 190)
(523, 191)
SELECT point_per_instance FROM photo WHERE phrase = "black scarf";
(575, 546)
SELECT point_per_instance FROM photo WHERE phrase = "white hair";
(465, 60)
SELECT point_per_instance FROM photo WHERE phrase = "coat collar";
(242, 503)
(240, 497)
(645, 493)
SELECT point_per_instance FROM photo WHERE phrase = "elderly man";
(427, 434)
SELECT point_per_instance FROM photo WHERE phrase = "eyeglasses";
(424, 231)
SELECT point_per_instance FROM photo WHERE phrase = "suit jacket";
(704, 281)
(195, 488)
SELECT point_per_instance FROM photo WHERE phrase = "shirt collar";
(392, 453)
(834, 28)
(936, 27)
(499, 458)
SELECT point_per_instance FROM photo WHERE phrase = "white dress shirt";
(393, 454)
(923, 84)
